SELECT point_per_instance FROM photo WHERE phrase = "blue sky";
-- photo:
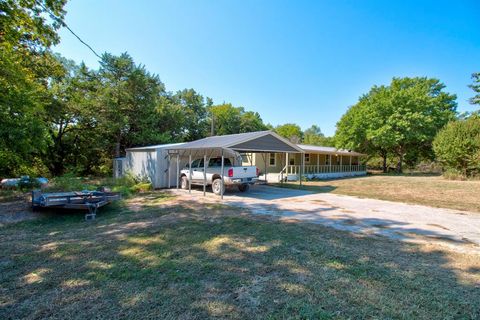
(292, 61)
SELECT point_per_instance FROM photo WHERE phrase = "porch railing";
(318, 169)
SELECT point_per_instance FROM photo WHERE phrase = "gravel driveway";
(395, 220)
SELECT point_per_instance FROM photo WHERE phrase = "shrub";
(69, 182)
(457, 147)
(142, 187)
(27, 183)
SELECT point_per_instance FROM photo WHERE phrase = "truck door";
(197, 170)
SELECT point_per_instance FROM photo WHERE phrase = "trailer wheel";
(217, 187)
(243, 187)
(184, 182)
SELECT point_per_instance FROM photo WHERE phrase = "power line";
(63, 24)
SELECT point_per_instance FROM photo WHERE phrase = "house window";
(291, 161)
(307, 157)
(272, 160)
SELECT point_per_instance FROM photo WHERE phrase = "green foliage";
(291, 131)
(457, 146)
(314, 136)
(25, 66)
(400, 119)
(27, 183)
(126, 185)
(475, 86)
(228, 119)
(69, 182)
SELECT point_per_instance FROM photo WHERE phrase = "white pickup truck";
(241, 176)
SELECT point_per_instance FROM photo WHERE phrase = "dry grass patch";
(185, 260)
(427, 190)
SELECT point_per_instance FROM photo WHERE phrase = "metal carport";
(251, 142)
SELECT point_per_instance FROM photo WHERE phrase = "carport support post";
(178, 167)
(222, 168)
(204, 173)
(190, 172)
(169, 171)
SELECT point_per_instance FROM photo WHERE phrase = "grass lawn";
(427, 190)
(155, 256)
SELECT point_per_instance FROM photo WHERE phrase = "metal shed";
(151, 162)
(228, 145)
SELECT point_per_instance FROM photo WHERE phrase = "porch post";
(351, 163)
(286, 164)
(281, 172)
(318, 163)
(302, 169)
(221, 191)
(341, 163)
(266, 166)
(330, 163)
(205, 173)
(190, 172)
(178, 167)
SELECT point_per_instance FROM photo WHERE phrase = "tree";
(396, 119)
(251, 121)
(71, 118)
(314, 136)
(194, 114)
(291, 131)
(26, 64)
(128, 102)
(228, 119)
(457, 146)
(475, 86)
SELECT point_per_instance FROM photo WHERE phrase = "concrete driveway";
(395, 220)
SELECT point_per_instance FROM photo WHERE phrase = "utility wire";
(63, 24)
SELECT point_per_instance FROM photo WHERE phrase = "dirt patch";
(16, 211)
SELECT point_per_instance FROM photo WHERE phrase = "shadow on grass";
(201, 261)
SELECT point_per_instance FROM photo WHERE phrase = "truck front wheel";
(217, 186)
(184, 182)
(243, 187)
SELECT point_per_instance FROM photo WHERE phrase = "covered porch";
(316, 162)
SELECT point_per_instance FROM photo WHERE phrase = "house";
(319, 162)
(277, 158)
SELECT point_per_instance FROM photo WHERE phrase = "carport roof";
(259, 141)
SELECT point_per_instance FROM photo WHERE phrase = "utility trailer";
(83, 200)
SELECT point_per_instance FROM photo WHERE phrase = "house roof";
(154, 147)
(259, 141)
(328, 150)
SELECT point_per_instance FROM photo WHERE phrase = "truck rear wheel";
(243, 187)
(217, 186)
(184, 182)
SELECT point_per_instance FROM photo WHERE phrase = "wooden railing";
(318, 169)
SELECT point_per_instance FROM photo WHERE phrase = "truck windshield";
(217, 162)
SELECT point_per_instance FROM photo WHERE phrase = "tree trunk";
(384, 163)
(117, 149)
(400, 163)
